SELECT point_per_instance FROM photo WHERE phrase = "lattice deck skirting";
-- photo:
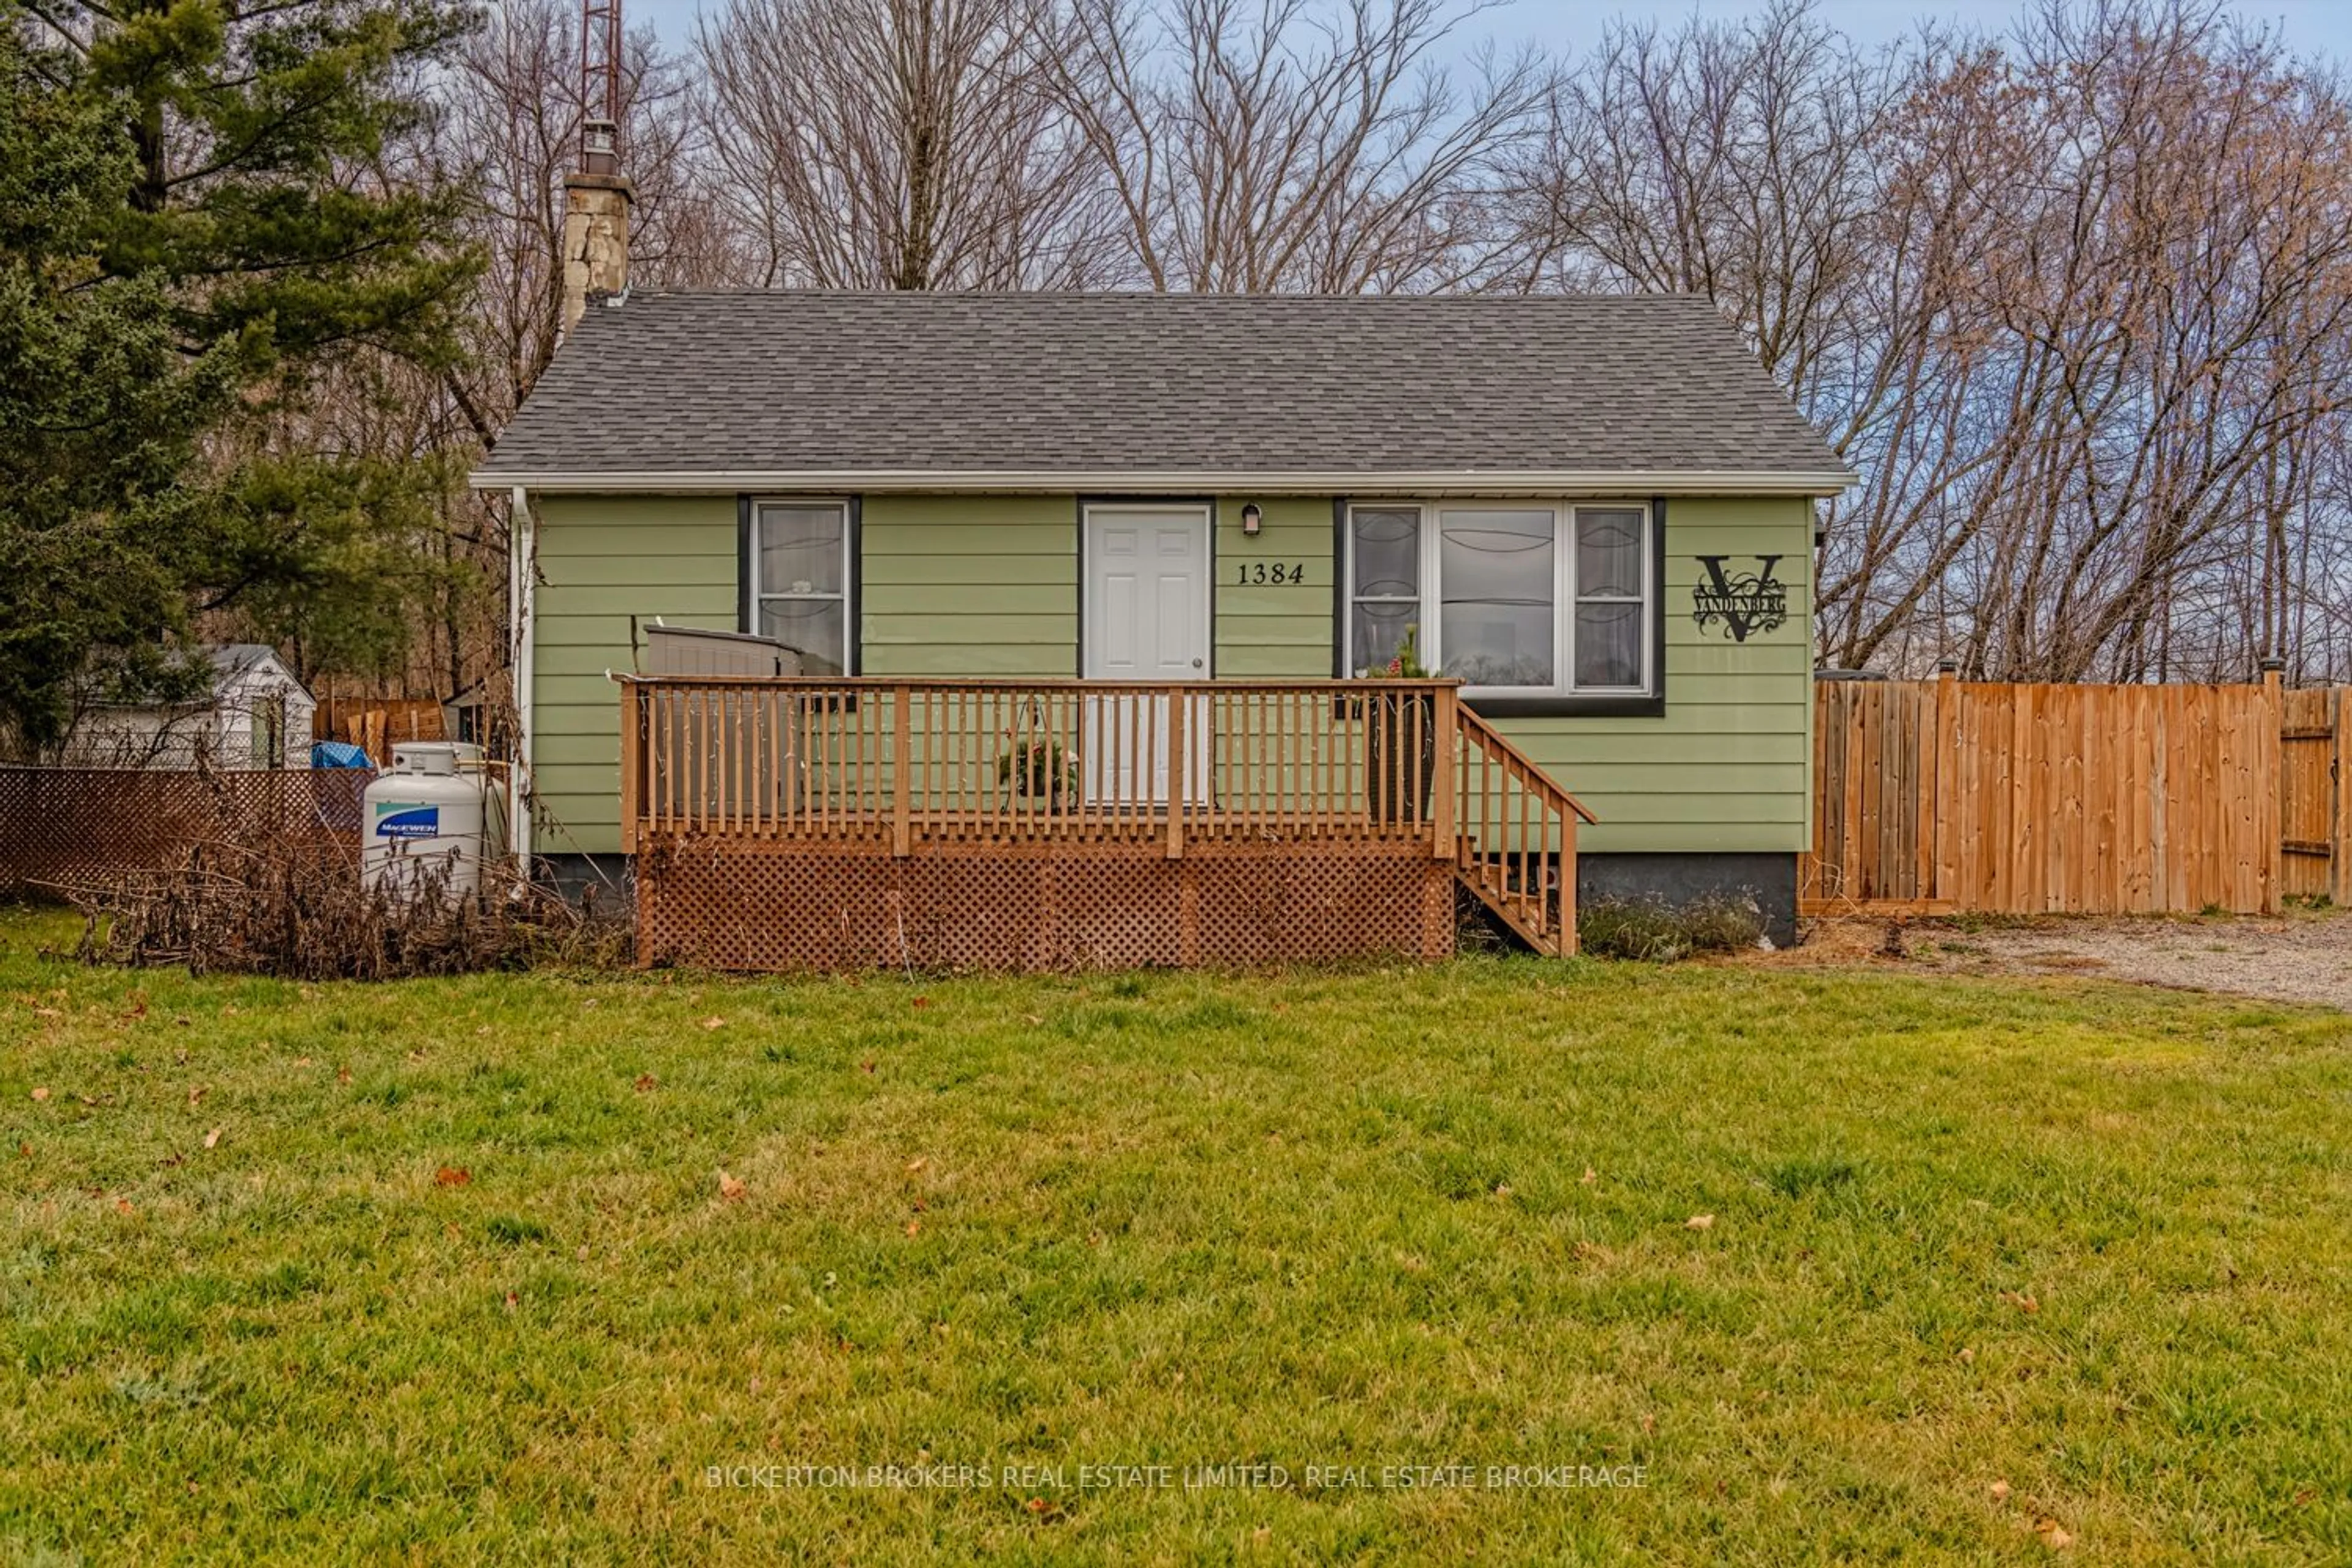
(731, 905)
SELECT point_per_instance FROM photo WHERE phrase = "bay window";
(1534, 605)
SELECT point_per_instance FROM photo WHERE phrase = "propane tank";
(433, 810)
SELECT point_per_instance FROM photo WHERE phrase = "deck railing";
(936, 765)
(928, 762)
(1515, 835)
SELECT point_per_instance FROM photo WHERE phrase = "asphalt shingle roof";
(707, 381)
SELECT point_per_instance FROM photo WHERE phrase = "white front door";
(1146, 594)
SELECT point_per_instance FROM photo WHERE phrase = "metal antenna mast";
(600, 86)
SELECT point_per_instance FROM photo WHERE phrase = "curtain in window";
(1608, 582)
(800, 565)
(1495, 571)
(1386, 593)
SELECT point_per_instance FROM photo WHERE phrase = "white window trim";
(761, 595)
(1564, 587)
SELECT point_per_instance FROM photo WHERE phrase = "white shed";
(259, 716)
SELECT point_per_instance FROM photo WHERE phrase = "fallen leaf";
(123, 1206)
(1031, 1019)
(2021, 1301)
(1589, 1176)
(730, 1189)
(1038, 1505)
(2000, 1490)
(139, 1011)
(714, 1022)
(342, 1075)
(47, 1012)
(181, 1020)
(922, 1001)
(452, 1176)
(40, 1094)
(1968, 1356)
(1502, 1189)
(915, 1165)
(1649, 1423)
(302, 1062)
(212, 1139)
(867, 1065)
(645, 1081)
(913, 1226)
(1699, 1221)
(511, 1301)
(195, 1093)
(583, 1252)
(2054, 1535)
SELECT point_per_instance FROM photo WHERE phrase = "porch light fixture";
(1252, 519)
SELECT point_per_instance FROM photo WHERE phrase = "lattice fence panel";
(1051, 908)
(73, 824)
(1318, 904)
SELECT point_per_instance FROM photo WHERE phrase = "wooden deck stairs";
(1515, 837)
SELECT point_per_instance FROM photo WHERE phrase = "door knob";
(1196, 664)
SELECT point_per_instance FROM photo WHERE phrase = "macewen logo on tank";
(414, 822)
(1744, 602)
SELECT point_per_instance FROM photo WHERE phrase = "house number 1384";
(1259, 572)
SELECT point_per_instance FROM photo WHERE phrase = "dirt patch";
(2303, 956)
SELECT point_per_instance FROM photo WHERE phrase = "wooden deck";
(837, 823)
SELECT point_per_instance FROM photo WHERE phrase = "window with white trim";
(1384, 581)
(800, 580)
(1519, 599)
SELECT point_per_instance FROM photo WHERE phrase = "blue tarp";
(338, 754)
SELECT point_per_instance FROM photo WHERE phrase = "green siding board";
(1050, 601)
(988, 585)
(1274, 631)
(1726, 768)
(978, 585)
(1055, 661)
(941, 627)
(602, 560)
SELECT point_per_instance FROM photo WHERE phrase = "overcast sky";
(2309, 26)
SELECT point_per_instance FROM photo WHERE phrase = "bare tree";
(1271, 146)
(514, 124)
(899, 145)
(2074, 302)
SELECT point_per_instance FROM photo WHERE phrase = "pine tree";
(199, 222)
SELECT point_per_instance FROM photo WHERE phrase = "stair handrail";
(1545, 906)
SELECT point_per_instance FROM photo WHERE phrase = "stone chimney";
(595, 223)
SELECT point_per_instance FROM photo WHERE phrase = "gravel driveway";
(2306, 956)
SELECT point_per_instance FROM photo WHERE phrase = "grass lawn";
(444, 1270)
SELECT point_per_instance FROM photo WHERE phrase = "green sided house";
(1129, 628)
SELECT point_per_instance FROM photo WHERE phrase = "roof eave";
(1129, 481)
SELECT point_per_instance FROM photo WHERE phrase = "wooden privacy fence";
(64, 825)
(1940, 797)
(374, 724)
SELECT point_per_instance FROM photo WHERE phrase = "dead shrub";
(299, 912)
(1651, 931)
